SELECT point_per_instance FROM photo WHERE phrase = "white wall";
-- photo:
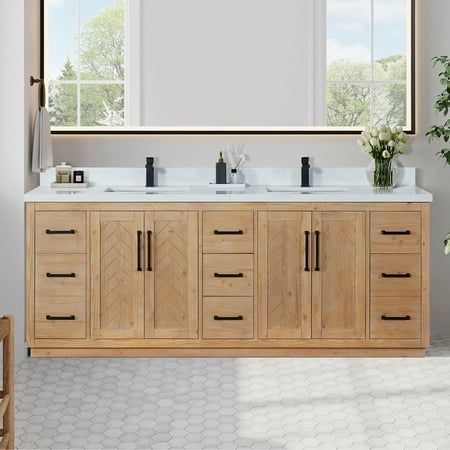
(285, 151)
(15, 177)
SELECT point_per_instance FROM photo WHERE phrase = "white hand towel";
(42, 142)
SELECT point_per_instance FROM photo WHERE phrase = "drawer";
(228, 232)
(394, 317)
(60, 232)
(60, 275)
(395, 232)
(228, 318)
(395, 275)
(228, 275)
(60, 318)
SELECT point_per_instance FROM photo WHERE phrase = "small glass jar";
(63, 173)
(237, 177)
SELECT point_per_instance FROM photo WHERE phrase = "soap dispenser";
(221, 170)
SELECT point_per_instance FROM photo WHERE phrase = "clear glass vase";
(382, 174)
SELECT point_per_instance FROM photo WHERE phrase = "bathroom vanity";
(199, 272)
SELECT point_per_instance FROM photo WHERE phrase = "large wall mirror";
(228, 66)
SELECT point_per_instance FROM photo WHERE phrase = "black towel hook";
(41, 83)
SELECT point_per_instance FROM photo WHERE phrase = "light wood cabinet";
(227, 279)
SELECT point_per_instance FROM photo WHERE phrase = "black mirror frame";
(411, 131)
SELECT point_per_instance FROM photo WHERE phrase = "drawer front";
(228, 232)
(228, 318)
(396, 232)
(60, 318)
(395, 275)
(60, 275)
(60, 232)
(395, 318)
(228, 275)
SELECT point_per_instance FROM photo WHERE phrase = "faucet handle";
(150, 161)
(305, 161)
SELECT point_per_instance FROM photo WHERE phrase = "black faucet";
(150, 175)
(305, 172)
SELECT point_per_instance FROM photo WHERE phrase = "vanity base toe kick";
(227, 279)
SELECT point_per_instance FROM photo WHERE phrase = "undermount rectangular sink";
(148, 191)
(301, 190)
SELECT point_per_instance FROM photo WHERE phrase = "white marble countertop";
(252, 194)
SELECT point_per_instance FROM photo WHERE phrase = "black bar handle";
(307, 233)
(60, 275)
(228, 275)
(383, 317)
(395, 233)
(317, 268)
(228, 318)
(149, 251)
(59, 231)
(139, 238)
(48, 317)
(229, 232)
(396, 275)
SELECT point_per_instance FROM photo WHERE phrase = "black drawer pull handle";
(383, 317)
(60, 275)
(230, 232)
(139, 238)
(317, 268)
(59, 231)
(149, 251)
(307, 233)
(228, 318)
(228, 275)
(396, 233)
(48, 317)
(396, 275)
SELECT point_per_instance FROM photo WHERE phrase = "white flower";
(401, 147)
(403, 137)
(374, 142)
(386, 154)
(374, 132)
(391, 144)
(447, 245)
(385, 136)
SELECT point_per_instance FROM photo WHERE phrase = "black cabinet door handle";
(48, 317)
(60, 275)
(228, 275)
(139, 239)
(59, 231)
(307, 233)
(228, 318)
(229, 232)
(383, 317)
(395, 233)
(396, 275)
(149, 251)
(317, 268)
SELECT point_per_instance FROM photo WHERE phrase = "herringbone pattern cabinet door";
(117, 283)
(171, 288)
(339, 287)
(284, 285)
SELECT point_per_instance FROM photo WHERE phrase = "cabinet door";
(117, 276)
(339, 287)
(171, 277)
(284, 277)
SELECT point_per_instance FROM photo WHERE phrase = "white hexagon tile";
(235, 403)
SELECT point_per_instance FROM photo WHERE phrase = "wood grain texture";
(60, 306)
(395, 264)
(8, 384)
(60, 264)
(230, 264)
(172, 285)
(30, 275)
(60, 221)
(426, 275)
(228, 221)
(228, 307)
(118, 297)
(395, 222)
(339, 297)
(284, 285)
(395, 307)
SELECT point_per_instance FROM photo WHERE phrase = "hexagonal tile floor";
(235, 403)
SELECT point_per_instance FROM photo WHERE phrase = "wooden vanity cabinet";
(227, 279)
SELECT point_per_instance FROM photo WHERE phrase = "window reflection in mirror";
(244, 65)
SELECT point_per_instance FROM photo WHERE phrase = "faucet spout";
(150, 173)
(305, 172)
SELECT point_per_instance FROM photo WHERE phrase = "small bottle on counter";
(221, 170)
(63, 173)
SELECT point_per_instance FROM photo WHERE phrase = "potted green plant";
(442, 106)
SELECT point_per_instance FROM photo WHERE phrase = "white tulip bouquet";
(447, 244)
(383, 143)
